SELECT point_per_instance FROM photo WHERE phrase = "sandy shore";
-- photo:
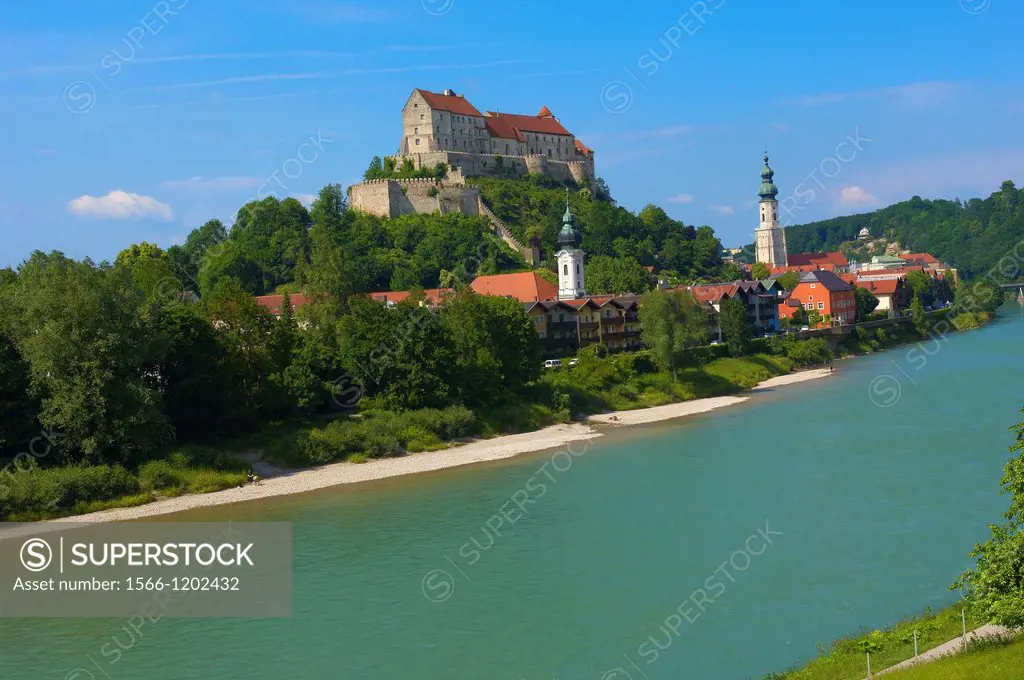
(466, 454)
(689, 408)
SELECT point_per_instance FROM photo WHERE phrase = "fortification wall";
(503, 166)
(394, 197)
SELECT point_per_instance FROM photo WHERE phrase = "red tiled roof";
(902, 271)
(836, 259)
(499, 127)
(545, 112)
(446, 102)
(884, 287)
(434, 295)
(547, 126)
(274, 303)
(803, 268)
(523, 286)
(713, 292)
(920, 258)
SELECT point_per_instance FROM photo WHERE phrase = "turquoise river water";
(871, 485)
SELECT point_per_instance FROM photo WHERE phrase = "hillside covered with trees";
(612, 236)
(971, 236)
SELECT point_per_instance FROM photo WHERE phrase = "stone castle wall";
(394, 197)
(502, 166)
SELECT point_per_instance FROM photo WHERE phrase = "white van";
(552, 363)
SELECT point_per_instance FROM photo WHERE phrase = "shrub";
(40, 492)
(809, 352)
(159, 474)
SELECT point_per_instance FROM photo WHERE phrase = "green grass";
(846, 659)
(1002, 662)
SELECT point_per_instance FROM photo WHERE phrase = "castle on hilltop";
(446, 128)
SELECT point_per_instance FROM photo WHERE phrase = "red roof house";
(523, 286)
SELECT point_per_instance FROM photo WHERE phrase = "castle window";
(416, 131)
(565, 270)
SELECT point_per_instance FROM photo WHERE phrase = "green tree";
(228, 260)
(921, 286)
(918, 316)
(375, 169)
(151, 270)
(736, 330)
(866, 302)
(789, 280)
(616, 276)
(200, 392)
(274, 235)
(18, 409)
(996, 583)
(673, 324)
(493, 346)
(398, 354)
(90, 354)
(243, 329)
(799, 318)
(760, 271)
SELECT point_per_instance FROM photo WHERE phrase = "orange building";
(822, 292)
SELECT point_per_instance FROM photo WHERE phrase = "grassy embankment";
(846, 659)
(985, 660)
(36, 493)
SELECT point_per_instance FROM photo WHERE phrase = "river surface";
(871, 485)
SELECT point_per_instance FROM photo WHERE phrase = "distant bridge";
(1018, 287)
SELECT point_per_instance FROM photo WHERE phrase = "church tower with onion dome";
(570, 259)
(770, 237)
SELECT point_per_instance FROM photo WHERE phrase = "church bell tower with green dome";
(570, 259)
(770, 237)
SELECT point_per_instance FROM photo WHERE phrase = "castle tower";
(770, 236)
(570, 259)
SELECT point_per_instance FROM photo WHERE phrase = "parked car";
(572, 362)
(715, 342)
(805, 328)
(552, 363)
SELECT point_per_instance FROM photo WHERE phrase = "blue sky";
(139, 120)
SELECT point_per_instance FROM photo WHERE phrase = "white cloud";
(680, 198)
(856, 196)
(912, 95)
(306, 199)
(119, 204)
(723, 210)
(198, 183)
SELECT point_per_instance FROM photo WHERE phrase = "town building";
(864, 234)
(761, 304)
(444, 127)
(275, 303)
(823, 292)
(882, 262)
(770, 237)
(893, 294)
(834, 261)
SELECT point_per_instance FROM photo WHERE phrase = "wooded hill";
(971, 236)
